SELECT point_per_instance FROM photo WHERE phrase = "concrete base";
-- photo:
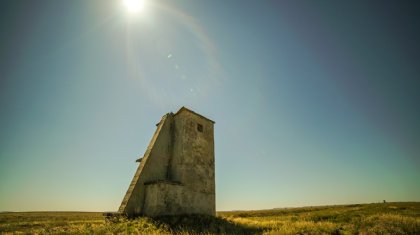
(171, 198)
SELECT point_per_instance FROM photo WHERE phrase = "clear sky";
(315, 102)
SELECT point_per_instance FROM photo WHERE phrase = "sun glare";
(134, 5)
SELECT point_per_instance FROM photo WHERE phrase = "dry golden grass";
(384, 218)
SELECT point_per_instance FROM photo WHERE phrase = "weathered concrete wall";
(193, 158)
(176, 175)
(163, 198)
(166, 198)
(153, 167)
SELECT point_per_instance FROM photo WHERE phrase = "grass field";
(383, 218)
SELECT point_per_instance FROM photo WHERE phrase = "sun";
(134, 5)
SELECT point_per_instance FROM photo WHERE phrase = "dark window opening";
(199, 127)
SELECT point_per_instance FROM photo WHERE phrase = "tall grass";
(384, 218)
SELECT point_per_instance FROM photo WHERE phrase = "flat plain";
(376, 218)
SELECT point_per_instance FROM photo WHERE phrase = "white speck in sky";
(176, 66)
(169, 56)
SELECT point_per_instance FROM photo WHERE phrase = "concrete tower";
(176, 174)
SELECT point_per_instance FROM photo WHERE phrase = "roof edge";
(183, 108)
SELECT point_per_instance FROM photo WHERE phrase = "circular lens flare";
(134, 5)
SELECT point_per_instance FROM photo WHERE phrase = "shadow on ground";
(205, 224)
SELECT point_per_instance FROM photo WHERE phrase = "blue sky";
(315, 103)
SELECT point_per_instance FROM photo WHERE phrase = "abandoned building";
(176, 173)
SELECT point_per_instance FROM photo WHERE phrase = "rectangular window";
(199, 127)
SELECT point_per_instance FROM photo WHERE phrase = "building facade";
(176, 174)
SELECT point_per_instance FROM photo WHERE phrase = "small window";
(199, 127)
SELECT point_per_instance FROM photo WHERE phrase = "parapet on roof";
(182, 109)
